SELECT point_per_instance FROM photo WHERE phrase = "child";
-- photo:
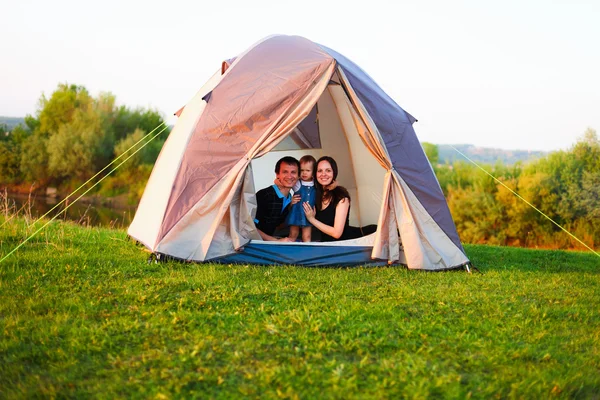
(305, 187)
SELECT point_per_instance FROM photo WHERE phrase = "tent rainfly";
(289, 96)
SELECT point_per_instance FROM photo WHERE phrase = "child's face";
(306, 171)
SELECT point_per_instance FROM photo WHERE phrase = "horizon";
(437, 144)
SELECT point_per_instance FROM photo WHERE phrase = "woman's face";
(324, 173)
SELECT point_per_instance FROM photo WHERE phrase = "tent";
(287, 95)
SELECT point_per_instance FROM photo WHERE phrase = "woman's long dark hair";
(334, 196)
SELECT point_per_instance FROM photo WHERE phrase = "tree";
(478, 217)
(72, 150)
(60, 108)
(144, 156)
(73, 135)
(34, 160)
(9, 163)
(52, 114)
(11, 144)
(127, 121)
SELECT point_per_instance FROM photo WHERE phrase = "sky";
(506, 74)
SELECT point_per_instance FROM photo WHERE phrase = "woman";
(332, 212)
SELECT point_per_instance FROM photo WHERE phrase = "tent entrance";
(337, 125)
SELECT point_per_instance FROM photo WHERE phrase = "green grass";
(83, 315)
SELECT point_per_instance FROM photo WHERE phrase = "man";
(273, 202)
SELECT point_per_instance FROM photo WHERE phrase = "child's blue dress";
(297, 217)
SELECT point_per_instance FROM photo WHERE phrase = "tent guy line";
(527, 202)
(90, 188)
(89, 180)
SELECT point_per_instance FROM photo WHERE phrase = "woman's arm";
(341, 212)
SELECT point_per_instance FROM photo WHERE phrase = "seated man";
(274, 200)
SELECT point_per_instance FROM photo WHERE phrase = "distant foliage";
(486, 155)
(564, 185)
(73, 136)
(7, 124)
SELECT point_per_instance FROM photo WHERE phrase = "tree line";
(73, 135)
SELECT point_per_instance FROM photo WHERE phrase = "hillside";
(486, 155)
(11, 122)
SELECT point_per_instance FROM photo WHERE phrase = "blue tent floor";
(306, 255)
(302, 254)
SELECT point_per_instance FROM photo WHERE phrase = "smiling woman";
(332, 213)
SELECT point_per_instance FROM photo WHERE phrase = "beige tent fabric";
(243, 209)
(151, 209)
(368, 171)
(386, 244)
(425, 245)
(247, 104)
(244, 114)
(192, 237)
(216, 212)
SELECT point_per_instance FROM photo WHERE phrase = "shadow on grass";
(498, 258)
(484, 258)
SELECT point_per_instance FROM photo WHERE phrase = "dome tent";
(289, 96)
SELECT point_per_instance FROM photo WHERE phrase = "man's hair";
(287, 160)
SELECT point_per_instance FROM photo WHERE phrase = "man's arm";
(269, 238)
(266, 237)
(262, 201)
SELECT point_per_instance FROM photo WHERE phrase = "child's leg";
(306, 231)
(294, 230)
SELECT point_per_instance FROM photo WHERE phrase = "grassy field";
(83, 315)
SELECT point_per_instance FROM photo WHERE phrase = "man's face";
(287, 175)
